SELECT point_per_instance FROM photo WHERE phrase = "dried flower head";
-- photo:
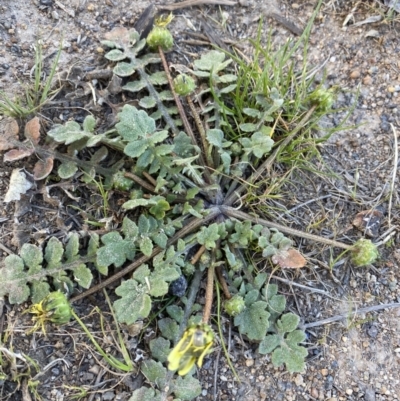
(195, 343)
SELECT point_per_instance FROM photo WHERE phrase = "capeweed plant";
(186, 216)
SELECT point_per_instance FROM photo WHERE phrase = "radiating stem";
(140, 181)
(231, 212)
(222, 281)
(209, 293)
(192, 225)
(182, 113)
(202, 132)
(198, 254)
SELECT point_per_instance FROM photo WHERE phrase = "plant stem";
(112, 361)
(201, 130)
(182, 114)
(191, 297)
(222, 281)
(231, 212)
(209, 293)
(267, 164)
(198, 254)
(139, 181)
(192, 225)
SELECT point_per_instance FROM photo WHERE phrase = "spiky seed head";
(160, 37)
(235, 305)
(322, 98)
(364, 252)
(184, 85)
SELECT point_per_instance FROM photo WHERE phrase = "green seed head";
(235, 305)
(56, 308)
(184, 85)
(364, 252)
(160, 36)
(322, 98)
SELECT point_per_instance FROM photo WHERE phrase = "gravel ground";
(356, 358)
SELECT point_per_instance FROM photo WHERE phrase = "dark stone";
(178, 287)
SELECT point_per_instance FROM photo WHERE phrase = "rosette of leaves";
(28, 275)
(184, 189)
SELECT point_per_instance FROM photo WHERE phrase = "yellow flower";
(164, 20)
(195, 343)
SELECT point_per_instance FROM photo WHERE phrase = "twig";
(291, 26)
(201, 130)
(198, 254)
(209, 293)
(150, 178)
(191, 3)
(289, 282)
(5, 249)
(395, 161)
(349, 314)
(231, 212)
(139, 181)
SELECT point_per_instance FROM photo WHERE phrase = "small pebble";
(367, 80)
(372, 331)
(349, 391)
(355, 74)
(324, 372)
(249, 362)
(298, 380)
